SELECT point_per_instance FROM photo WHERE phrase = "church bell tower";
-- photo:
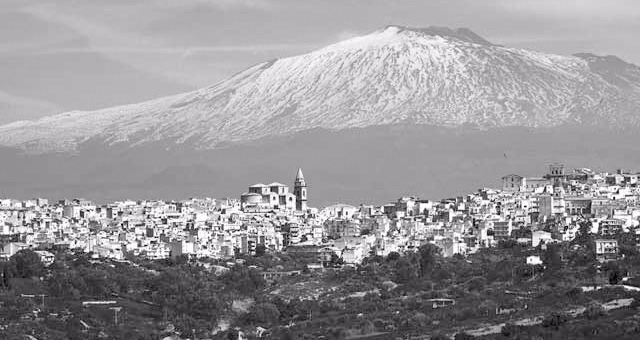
(300, 190)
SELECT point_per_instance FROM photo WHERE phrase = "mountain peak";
(397, 75)
(462, 34)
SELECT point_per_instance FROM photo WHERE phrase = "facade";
(318, 254)
(578, 205)
(556, 174)
(517, 183)
(502, 230)
(535, 183)
(513, 183)
(183, 247)
(602, 206)
(274, 196)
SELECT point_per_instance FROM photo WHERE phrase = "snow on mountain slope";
(434, 76)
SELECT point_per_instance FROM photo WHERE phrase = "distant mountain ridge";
(433, 76)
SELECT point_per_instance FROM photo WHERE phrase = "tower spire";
(300, 190)
(299, 176)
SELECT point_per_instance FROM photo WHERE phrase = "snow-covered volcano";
(433, 76)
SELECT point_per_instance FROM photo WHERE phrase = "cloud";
(222, 4)
(184, 51)
(583, 9)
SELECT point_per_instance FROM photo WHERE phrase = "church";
(276, 196)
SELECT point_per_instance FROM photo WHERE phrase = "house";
(274, 196)
(615, 179)
(182, 247)
(602, 206)
(513, 183)
(275, 275)
(534, 183)
(539, 236)
(534, 260)
(606, 249)
(610, 226)
(502, 230)
(46, 257)
(312, 253)
(353, 254)
(578, 205)
(556, 174)
(13, 247)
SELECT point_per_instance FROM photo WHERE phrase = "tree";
(264, 314)
(7, 272)
(393, 256)
(615, 273)
(552, 258)
(594, 311)
(555, 320)
(27, 264)
(476, 283)
(509, 330)
(260, 250)
(405, 271)
(242, 279)
(336, 260)
(583, 236)
(428, 255)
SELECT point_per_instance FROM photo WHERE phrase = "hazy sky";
(58, 55)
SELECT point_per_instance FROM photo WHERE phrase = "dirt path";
(497, 328)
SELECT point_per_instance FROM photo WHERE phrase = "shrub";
(554, 319)
(594, 311)
(464, 336)
(509, 330)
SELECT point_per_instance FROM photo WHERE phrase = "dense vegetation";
(385, 297)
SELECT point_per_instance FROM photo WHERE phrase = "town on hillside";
(527, 210)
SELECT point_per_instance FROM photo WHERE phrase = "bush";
(439, 336)
(509, 330)
(476, 283)
(27, 264)
(594, 311)
(464, 336)
(264, 313)
(574, 292)
(555, 320)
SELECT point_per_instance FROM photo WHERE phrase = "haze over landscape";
(450, 109)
